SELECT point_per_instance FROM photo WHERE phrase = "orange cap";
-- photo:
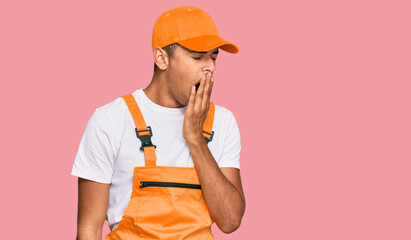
(190, 27)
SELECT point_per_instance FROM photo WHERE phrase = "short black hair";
(170, 52)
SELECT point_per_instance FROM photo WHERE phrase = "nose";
(209, 65)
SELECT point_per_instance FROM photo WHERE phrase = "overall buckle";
(145, 139)
(210, 137)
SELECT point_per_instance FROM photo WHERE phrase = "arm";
(222, 188)
(92, 209)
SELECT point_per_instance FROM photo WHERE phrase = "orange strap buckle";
(145, 137)
(208, 136)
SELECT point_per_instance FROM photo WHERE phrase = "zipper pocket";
(144, 184)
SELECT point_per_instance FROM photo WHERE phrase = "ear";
(161, 58)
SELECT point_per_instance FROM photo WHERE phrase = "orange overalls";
(166, 202)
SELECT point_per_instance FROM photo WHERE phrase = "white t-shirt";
(109, 149)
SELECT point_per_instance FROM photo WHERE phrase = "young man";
(186, 173)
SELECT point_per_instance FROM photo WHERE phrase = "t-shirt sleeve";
(96, 154)
(232, 145)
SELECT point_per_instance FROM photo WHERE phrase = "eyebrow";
(191, 51)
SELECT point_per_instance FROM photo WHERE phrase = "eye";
(198, 58)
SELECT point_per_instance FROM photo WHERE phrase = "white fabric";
(109, 149)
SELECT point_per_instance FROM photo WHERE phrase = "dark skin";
(173, 86)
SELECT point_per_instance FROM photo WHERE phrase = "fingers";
(207, 92)
(204, 92)
(200, 92)
(192, 97)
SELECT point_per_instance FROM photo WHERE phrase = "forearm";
(224, 201)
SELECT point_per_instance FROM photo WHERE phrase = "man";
(113, 169)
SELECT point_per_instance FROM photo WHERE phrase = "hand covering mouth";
(198, 84)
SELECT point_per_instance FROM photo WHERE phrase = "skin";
(92, 209)
(172, 86)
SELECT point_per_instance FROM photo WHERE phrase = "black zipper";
(144, 184)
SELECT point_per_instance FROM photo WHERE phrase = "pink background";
(320, 90)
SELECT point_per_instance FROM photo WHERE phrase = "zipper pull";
(142, 184)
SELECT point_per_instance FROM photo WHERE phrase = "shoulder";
(223, 115)
(225, 122)
(114, 111)
(109, 119)
(227, 138)
(114, 107)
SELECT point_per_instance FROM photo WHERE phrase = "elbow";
(230, 226)
(232, 222)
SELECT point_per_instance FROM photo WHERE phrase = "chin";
(182, 101)
(185, 103)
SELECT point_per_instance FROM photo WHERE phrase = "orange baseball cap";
(190, 27)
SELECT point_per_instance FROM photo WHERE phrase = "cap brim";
(206, 43)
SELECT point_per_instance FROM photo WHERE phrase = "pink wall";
(320, 90)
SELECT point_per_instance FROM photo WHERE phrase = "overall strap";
(208, 124)
(142, 131)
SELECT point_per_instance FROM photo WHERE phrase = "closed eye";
(197, 58)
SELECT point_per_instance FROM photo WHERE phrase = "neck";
(158, 92)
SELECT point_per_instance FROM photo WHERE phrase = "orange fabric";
(149, 152)
(136, 113)
(208, 124)
(164, 212)
(150, 156)
(192, 28)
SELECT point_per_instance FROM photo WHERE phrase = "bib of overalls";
(166, 202)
